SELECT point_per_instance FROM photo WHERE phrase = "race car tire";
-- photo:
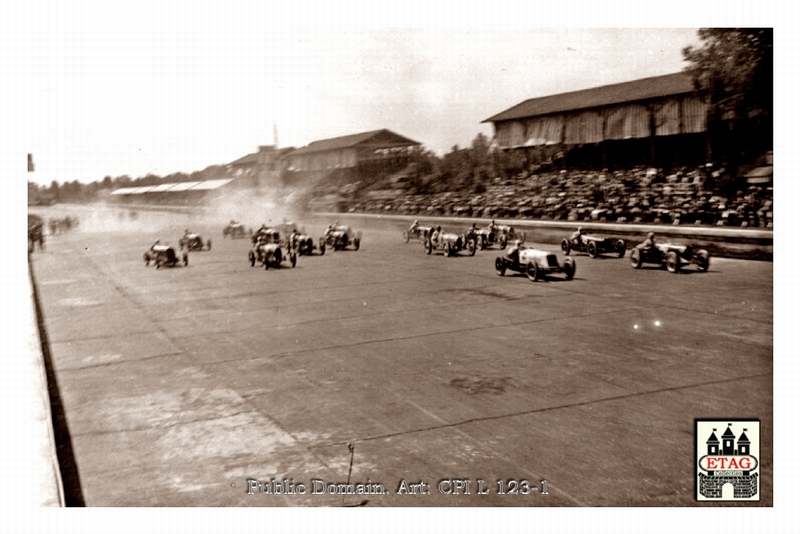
(344, 242)
(356, 243)
(503, 242)
(293, 258)
(428, 246)
(636, 258)
(620, 247)
(185, 260)
(405, 236)
(532, 270)
(673, 263)
(471, 247)
(500, 267)
(209, 244)
(278, 256)
(483, 242)
(569, 268)
(146, 259)
(703, 260)
(447, 251)
(158, 264)
(592, 249)
(565, 248)
(252, 257)
(322, 248)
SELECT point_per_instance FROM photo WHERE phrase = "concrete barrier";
(42, 485)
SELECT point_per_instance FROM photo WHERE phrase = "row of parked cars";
(538, 264)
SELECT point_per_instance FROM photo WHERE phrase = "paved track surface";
(180, 384)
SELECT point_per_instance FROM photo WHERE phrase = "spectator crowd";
(640, 195)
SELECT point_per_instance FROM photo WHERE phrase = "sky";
(111, 88)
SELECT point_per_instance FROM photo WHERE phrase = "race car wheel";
(702, 260)
(620, 248)
(500, 267)
(673, 262)
(252, 257)
(146, 259)
(565, 248)
(471, 247)
(158, 264)
(483, 242)
(278, 256)
(636, 258)
(447, 249)
(405, 236)
(209, 244)
(428, 246)
(503, 241)
(185, 260)
(592, 249)
(532, 270)
(356, 243)
(344, 242)
(569, 268)
(293, 259)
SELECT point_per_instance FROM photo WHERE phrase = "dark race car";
(270, 250)
(301, 242)
(449, 243)
(670, 256)
(193, 242)
(415, 231)
(535, 264)
(165, 256)
(594, 245)
(339, 237)
(499, 234)
(234, 230)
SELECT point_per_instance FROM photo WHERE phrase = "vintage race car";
(499, 234)
(165, 256)
(339, 237)
(450, 244)
(594, 245)
(267, 250)
(234, 230)
(193, 242)
(416, 232)
(536, 264)
(670, 256)
(301, 242)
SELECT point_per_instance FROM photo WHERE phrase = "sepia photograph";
(284, 256)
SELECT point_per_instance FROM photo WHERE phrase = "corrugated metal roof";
(618, 93)
(205, 185)
(348, 141)
(183, 186)
(208, 185)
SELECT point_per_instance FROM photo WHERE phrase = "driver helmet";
(580, 230)
(651, 236)
(438, 228)
(517, 243)
(416, 221)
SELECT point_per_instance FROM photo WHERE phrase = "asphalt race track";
(180, 384)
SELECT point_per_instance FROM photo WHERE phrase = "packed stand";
(638, 195)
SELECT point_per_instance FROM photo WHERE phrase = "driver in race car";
(413, 226)
(512, 253)
(435, 235)
(577, 236)
(650, 242)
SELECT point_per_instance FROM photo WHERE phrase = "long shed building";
(659, 120)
